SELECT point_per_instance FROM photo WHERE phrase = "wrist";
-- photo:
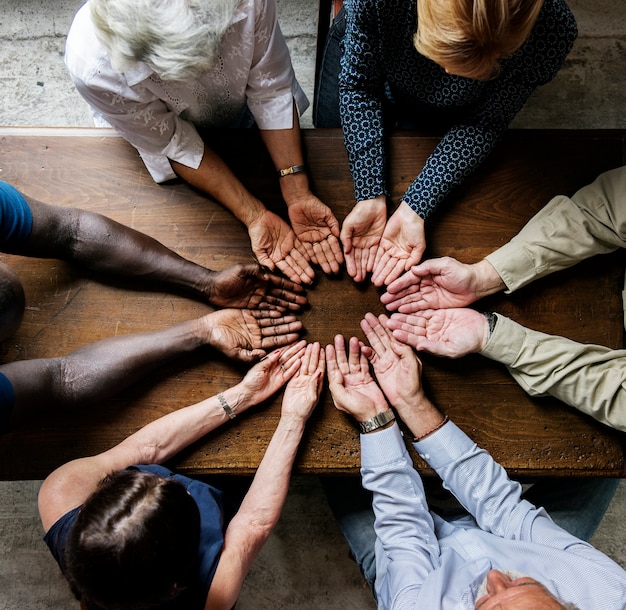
(237, 400)
(487, 279)
(380, 421)
(295, 188)
(251, 212)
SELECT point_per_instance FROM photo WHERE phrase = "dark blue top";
(209, 501)
(380, 62)
(16, 223)
(16, 219)
(7, 400)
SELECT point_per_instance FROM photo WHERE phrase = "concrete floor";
(305, 564)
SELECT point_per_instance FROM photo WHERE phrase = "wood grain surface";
(68, 307)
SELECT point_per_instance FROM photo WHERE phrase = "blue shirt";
(423, 561)
(16, 219)
(380, 63)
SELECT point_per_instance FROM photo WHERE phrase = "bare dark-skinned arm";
(103, 368)
(101, 244)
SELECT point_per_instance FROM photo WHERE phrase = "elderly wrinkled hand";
(275, 245)
(318, 231)
(268, 375)
(303, 389)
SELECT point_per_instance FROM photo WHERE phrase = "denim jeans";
(326, 100)
(575, 504)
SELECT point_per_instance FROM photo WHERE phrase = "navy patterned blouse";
(380, 65)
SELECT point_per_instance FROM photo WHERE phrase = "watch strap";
(378, 421)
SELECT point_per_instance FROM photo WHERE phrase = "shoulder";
(555, 27)
(85, 56)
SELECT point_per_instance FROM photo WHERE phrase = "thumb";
(250, 355)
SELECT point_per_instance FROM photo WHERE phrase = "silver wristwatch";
(378, 421)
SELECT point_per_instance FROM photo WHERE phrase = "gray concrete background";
(305, 563)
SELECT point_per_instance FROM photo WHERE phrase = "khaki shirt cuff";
(505, 342)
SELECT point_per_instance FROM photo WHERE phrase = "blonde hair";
(178, 39)
(469, 37)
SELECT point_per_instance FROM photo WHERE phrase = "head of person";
(512, 591)
(177, 39)
(469, 37)
(134, 543)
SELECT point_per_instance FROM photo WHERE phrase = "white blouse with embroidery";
(158, 117)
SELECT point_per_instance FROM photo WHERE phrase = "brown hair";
(134, 543)
(469, 37)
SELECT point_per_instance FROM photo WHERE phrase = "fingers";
(363, 262)
(332, 368)
(288, 359)
(388, 269)
(404, 282)
(284, 293)
(376, 333)
(296, 265)
(250, 355)
(327, 254)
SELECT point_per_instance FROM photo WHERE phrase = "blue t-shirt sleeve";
(16, 218)
(56, 537)
(7, 400)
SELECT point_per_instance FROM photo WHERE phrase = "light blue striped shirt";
(425, 562)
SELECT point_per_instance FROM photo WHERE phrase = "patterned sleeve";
(361, 90)
(467, 144)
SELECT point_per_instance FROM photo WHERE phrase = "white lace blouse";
(158, 117)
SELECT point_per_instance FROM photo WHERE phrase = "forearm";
(98, 370)
(566, 231)
(264, 501)
(165, 437)
(285, 149)
(216, 179)
(443, 172)
(589, 378)
(479, 483)
(404, 526)
(104, 245)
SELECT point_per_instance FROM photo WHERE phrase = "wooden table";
(68, 307)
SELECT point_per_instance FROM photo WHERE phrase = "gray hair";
(178, 39)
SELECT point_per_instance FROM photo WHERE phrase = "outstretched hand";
(351, 385)
(401, 245)
(275, 245)
(441, 283)
(250, 286)
(266, 377)
(443, 332)
(318, 231)
(360, 235)
(397, 368)
(245, 334)
(303, 389)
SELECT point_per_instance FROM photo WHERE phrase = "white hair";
(513, 574)
(178, 39)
